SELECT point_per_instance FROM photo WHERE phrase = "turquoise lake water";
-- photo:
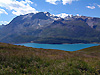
(65, 47)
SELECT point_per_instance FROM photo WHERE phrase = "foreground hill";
(43, 27)
(20, 60)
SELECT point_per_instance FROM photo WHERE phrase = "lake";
(65, 47)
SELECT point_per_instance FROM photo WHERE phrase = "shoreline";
(56, 43)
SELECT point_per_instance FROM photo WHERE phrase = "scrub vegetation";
(21, 60)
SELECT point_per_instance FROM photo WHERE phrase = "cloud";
(63, 15)
(63, 1)
(18, 7)
(52, 1)
(98, 6)
(67, 1)
(78, 15)
(4, 22)
(91, 7)
(3, 11)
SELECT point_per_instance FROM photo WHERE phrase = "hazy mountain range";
(44, 27)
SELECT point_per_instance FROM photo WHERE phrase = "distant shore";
(56, 43)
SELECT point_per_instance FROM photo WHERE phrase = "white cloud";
(91, 7)
(4, 22)
(78, 15)
(67, 1)
(63, 1)
(98, 6)
(18, 7)
(63, 15)
(52, 1)
(3, 11)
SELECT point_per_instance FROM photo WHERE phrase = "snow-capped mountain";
(43, 27)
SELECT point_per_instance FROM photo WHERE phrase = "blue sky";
(9, 9)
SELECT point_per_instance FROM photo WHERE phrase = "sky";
(9, 9)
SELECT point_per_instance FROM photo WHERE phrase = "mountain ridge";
(43, 27)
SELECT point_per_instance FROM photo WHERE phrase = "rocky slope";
(43, 27)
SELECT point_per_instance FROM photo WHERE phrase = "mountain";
(44, 27)
(21, 60)
(1, 26)
(93, 22)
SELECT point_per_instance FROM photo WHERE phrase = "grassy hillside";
(20, 60)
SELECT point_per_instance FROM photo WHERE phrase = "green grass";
(21, 60)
